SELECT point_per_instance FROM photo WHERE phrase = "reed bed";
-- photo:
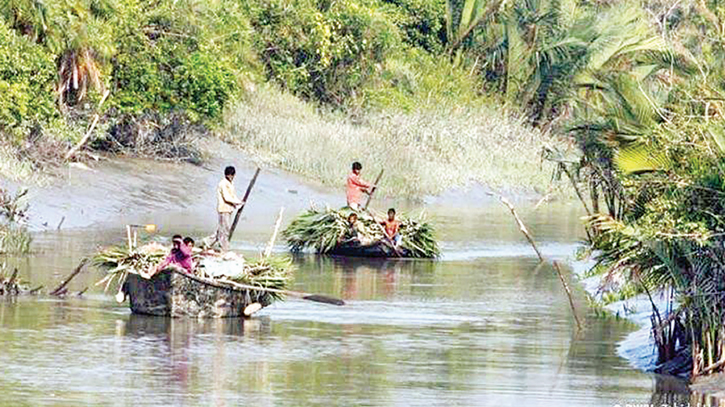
(423, 152)
(272, 272)
(321, 231)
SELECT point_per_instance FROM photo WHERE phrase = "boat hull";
(377, 250)
(177, 294)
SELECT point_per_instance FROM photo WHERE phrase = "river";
(486, 325)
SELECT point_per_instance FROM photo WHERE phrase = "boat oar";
(244, 202)
(297, 294)
(372, 190)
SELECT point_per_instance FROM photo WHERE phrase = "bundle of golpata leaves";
(272, 272)
(321, 230)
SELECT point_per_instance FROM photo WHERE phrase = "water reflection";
(490, 331)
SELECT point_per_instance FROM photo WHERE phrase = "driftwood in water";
(520, 223)
(528, 236)
(10, 286)
(61, 290)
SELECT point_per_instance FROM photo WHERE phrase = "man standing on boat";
(227, 201)
(356, 187)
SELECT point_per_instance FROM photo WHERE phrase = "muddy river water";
(483, 326)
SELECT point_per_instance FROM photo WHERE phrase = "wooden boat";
(176, 293)
(376, 250)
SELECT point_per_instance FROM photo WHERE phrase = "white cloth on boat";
(230, 265)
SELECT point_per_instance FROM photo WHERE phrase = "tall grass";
(423, 152)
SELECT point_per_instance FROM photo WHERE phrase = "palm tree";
(77, 31)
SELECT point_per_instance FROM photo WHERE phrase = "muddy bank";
(118, 191)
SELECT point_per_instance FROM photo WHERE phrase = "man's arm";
(229, 196)
(357, 181)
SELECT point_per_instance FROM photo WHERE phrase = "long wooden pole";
(270, 245)
(244, 202)
(372, 190)
(526, 233)
(298, 294)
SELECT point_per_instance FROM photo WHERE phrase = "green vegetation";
(422, 152)
(624, 98)
(14, 235)
(273, 272)
(648, 147)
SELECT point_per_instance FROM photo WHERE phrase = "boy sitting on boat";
(391, 229)
(351, 235)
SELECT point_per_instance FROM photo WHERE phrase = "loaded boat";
(324, 232)
(219, 287)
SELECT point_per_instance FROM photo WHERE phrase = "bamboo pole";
(372, 190)
(520, 223)
(528, 236)
(244, 203)
(298, 294)
(270, 245)
(568, 294)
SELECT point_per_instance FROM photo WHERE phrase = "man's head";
(176, 241)
(230, 172)
(352, 218)
(391, 213)
(189, 241)
(356, 167)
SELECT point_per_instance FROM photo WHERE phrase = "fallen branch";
(85, 138)
(522, 227)
(60, 289)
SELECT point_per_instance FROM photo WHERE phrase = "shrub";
(163, 66)
(27, 72)
(323, 54)
(423, 22)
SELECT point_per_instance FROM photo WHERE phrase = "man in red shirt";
(356, 187)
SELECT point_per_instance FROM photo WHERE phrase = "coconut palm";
(77, 31)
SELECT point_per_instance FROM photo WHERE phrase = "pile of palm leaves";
(321, 231)
(269, 272)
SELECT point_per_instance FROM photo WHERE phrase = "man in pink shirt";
(356, 187)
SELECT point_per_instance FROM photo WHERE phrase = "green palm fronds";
(321, 230)
(273, 272)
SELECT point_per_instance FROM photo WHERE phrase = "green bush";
(322, 52)
(423, 22)
(162, 65)
(27, 73)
